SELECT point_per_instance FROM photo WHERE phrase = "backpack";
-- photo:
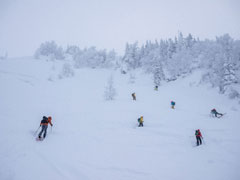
(44, 120)
(138, 119)
(196, 132)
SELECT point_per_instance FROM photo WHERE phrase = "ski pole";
(37, 131)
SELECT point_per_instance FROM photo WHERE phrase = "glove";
(52, 125)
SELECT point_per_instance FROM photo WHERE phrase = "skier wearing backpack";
(140, 121)
(134, 96)
(199, 137)
(172, 104)
(214, 112)
(44, 124)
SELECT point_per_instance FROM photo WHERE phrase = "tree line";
(166, 60)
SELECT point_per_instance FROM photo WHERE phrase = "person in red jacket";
(199, 137)
(44, 124)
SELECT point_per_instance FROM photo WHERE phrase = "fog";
(109, 24)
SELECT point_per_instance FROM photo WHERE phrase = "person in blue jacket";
(173, 104)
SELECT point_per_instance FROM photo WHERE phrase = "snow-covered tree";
(91, 57)
(189, 41)
(158, 74)
(67, 71)
(111, 59)
(131, 57)
(72, 50)
(229, 77)
(50, 50)
(171, 48)
(110, 91)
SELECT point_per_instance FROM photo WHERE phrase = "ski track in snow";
(97, 139)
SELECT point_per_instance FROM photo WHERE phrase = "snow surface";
(94, 139)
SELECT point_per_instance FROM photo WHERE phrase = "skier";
(140, 121)
(134, 96)
(156, 88)
(198, 137)
(44, 124)
(173, 104)
(214, 112)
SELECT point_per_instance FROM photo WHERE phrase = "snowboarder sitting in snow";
(214, 112)
(198, 137)
(156, 88)
(173, 104)
(134, 96)
(44, 124)
(140, 121)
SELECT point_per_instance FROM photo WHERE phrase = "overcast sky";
(25, 24)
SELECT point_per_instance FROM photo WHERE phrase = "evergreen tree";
(110, 91)
(158, 74)
(131, 57)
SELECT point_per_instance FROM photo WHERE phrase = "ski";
(222, 115)
(39, 139)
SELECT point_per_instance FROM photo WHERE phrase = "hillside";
(95, 139)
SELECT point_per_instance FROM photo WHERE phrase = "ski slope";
(94, 139)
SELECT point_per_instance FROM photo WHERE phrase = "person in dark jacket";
(44, 124)
(199, 137)
(134, 96)
(214, 112)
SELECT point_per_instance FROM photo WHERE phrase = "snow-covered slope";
(94, 139)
